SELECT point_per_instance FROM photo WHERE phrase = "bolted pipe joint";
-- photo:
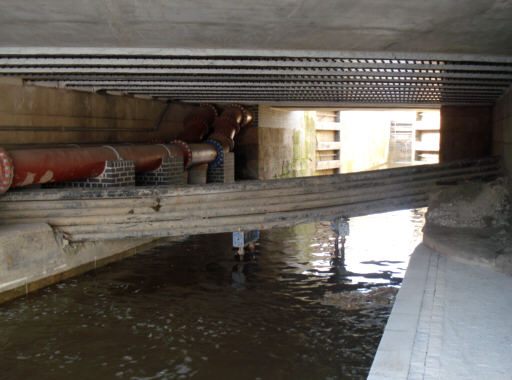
(6, 171)
(187, 152)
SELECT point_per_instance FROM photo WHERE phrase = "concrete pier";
(451, 320)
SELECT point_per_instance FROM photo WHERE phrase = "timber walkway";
(152, 212)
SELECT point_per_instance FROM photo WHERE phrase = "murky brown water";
(188, 310)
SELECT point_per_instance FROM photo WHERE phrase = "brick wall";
(223, 173)
(169, 173)
(117, 173)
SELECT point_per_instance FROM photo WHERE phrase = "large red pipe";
(228, 124)
(147, 157)
(197, 123)
(34, 166)
(23, 167)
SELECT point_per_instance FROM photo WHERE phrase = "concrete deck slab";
(451, 320)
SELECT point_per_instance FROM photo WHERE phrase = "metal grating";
(267, 77)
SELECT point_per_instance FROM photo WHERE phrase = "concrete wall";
(465, 132)
(364, 139)
(33, 256)
(502, 130)
(41, 115)
(286, 143)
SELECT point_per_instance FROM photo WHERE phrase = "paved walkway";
(451, 320)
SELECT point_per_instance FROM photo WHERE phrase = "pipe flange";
(187, 152)
(224, 140)
(220, 153)
(212, 107)
(6, 171)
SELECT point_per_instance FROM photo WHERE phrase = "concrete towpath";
(451, 320)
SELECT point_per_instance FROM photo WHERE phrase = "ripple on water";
(188, 310)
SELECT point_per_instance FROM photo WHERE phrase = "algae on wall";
(286, 143)
(303, 160)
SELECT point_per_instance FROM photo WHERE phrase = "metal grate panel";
(267, 77)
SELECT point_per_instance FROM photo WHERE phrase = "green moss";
(303, 145)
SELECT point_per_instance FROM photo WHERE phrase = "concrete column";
(197, 175)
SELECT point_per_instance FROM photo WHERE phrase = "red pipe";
(147, 157)
(197, 123)
(23, 167)
(228, 124)
(35, 166)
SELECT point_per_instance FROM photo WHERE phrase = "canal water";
(188, 310)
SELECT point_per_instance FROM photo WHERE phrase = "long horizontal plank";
(241, 199)
(328, 145)
(328, 126)
(115, 194)
(297, 62)
(236, 209)
(205, 199)
(126, 52)
(330, 164)
(297, 72)
(290, 220)
(193, 217)
(205, 223)
(152, 212)
(198, 201)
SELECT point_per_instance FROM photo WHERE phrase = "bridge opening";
(292, 142)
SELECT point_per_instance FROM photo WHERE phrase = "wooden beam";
(330, 164)
(327, 126)
(328, 145)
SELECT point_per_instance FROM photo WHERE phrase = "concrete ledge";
(450, 320)
(32, 257)
(395, 350)
(486, 248)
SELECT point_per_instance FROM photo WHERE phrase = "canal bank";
(451, 318)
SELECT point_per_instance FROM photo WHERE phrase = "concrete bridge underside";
(125, 71)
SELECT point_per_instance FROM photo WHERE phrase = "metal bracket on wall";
(242, 239)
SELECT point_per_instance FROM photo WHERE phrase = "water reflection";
(291, 309)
